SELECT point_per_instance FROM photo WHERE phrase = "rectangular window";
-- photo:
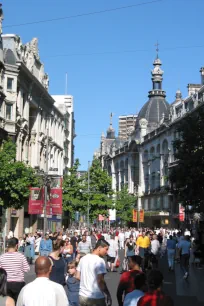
(9, 84)
(8, 111)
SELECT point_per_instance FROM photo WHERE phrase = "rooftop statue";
(1, 18)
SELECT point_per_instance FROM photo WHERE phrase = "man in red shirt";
(155, 296)
(126, 284)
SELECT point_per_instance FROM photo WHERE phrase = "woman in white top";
(4, 299)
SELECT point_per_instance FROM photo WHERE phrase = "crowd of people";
(71, 265)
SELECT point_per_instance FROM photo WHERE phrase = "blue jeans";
(44, 253)
(171, 255)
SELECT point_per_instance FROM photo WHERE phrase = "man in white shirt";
(42, 291)
(112, 253)
(121, 238)
(90, 272)
(132, 298)
(155, 248)
(127, 234)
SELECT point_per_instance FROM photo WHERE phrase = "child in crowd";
(72, 284)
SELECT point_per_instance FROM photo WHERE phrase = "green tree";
(100, 195)
(124, 204)
(15, 178)
(73, 188)
(187, 176)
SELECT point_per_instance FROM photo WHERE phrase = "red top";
(126, 284)
(99, 236)
(116, 233)
(155, 298)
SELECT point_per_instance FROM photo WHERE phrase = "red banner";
(134, 215)
(54, 203)
(181, 213)
(35, 201)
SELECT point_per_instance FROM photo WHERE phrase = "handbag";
(117, 263)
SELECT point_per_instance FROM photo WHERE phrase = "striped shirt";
(15, 265)
(84, 247)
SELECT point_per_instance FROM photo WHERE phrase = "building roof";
(9, 57)
(154, 110)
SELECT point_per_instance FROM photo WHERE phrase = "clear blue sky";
(111, 82)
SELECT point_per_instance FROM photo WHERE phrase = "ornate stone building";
(144, 160)
(29, 115)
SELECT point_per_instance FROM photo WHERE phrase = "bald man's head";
(43, 266)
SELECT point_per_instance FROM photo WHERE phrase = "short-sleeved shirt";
(143, 242)
(84, 247)
(133, 297)
(113, 248)
(185, 246)
(90, 266)
(155, 298)
(15, 265)
(127, 283)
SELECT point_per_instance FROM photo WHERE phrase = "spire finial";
(157, 49)
(111, 119)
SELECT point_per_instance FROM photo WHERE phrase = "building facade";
(65, 103)
(143, 161)
(126, 126)
(31, 117)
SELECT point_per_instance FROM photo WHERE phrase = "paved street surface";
(184, 292)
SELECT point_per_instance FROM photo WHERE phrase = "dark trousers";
(14, 288)
(185, 262)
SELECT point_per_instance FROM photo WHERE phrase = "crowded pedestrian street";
(188, 293)
(101, 153)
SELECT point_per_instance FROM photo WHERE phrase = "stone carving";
(45, 81)
(19, 47)
(34, 48)
(41, 73)
(1, 18)
(130, 130)
(2, 123)
(143, 123)
(29, 53)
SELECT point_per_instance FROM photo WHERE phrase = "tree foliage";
(15, 178)
(187, 177)
(73, 189)
(124, 204)
(76, 195)
(101, 192)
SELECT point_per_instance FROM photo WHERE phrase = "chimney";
(202, 75)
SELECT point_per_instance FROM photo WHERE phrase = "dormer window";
(10, 82)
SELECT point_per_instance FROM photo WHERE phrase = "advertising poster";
(36, 200)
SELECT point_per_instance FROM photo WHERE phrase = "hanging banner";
(134, 215)
(35, 206)
(112, 214)
(141, 215)
(54, 203)
(181, 213)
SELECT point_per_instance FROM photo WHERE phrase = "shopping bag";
(117, 263)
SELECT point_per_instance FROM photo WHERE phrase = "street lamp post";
(45, 184)
(88, 191)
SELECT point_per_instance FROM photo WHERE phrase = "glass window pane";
(9, 83)
(8, 111)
